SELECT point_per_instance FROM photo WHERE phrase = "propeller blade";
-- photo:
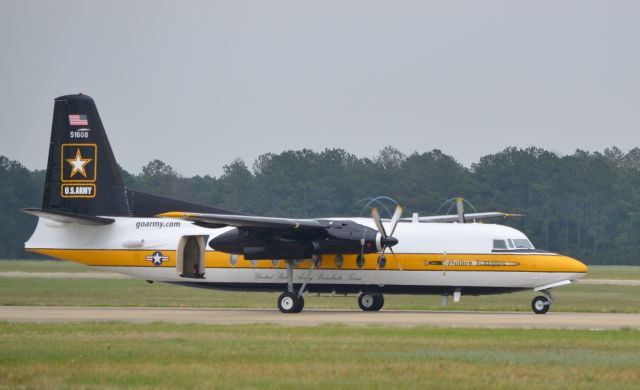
(394, 258)
(460, 209)
(376, 218)
(397, 213)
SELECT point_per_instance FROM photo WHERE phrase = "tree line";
(585, 205)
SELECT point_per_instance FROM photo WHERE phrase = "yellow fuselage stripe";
(512, 262)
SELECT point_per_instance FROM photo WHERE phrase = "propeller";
(460, 209)
(387, 241)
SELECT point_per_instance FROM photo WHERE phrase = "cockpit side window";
(499, 244)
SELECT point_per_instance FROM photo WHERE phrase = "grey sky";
(197, 84)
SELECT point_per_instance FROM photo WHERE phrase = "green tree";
(19, 188)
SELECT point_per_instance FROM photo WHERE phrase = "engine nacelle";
(338, 237)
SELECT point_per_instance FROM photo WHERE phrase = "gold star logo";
(78, 163)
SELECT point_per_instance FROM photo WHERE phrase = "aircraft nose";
(575, 266)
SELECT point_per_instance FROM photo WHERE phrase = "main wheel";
(300, 304)
(379, 301)
(289, 302)
(370, 302)
(540, 305)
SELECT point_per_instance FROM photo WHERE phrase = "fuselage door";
(190, 257)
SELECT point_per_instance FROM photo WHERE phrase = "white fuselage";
(429, 258)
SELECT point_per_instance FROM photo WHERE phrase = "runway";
(458, 319)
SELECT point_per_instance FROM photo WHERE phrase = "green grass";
(42, 266)
(119, 292)
(125, 292)
(628, 272)
(114, 355)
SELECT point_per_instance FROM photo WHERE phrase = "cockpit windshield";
(522, 243)
(511, 244)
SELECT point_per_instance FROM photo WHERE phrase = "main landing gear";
(541, 304)
(290, 301)
(370, 302)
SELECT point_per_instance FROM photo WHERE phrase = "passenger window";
(499, 244)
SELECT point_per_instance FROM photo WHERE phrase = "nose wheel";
(540, 305)
(370, 302)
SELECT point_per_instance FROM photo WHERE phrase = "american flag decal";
(78, 120)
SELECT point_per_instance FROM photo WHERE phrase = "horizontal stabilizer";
(220, 220)
(69, 217)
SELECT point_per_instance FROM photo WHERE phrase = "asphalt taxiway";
(457, 319)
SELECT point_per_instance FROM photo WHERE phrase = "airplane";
(89, 216)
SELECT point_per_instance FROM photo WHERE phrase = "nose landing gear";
(541, 304)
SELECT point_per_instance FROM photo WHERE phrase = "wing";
(284, 238)
(467, 217)
(246, 221)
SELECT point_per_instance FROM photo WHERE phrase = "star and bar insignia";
(157, 258)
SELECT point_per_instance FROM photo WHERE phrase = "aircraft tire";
(370, 302)
(540, 305)
(289, 302)
(300, 305)
(379, 302)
